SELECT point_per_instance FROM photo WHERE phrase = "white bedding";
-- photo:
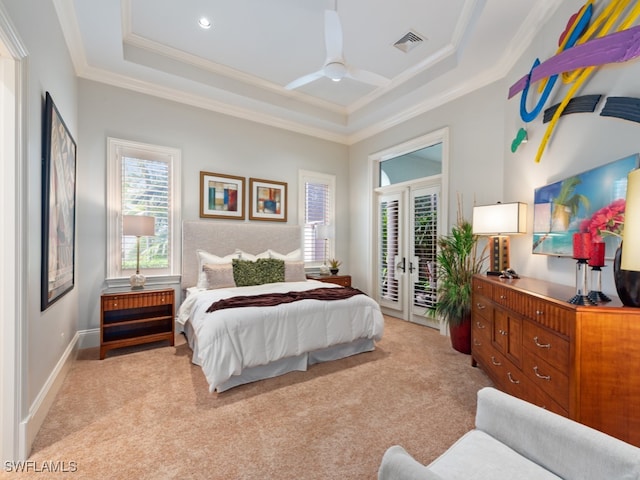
(228, 341)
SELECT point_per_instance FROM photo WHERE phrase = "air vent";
(409, 41)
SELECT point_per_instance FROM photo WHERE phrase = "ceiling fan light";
(336, 71)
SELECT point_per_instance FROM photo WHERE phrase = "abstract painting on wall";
(221, 196)
(591, 201)
(268, 200)
(58, 207)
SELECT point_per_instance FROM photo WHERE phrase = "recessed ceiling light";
(204, 23)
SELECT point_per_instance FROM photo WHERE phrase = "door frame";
(423, 141)
(13, 163)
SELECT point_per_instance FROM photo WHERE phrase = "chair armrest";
(397, 464)
(568, 449)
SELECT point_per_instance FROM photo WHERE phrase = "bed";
(246, 330)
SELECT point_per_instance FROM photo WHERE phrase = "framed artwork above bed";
(221, 196)
(267, 200)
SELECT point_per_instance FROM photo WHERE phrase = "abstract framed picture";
(58, 207)
(267, 200)
(221, 196)
(592, 201)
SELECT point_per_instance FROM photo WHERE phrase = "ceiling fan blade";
(299, 82)
(333, 35)
(365, 76)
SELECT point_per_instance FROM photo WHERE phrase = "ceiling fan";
(335, 66)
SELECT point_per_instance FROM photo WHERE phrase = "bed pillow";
(263, 270)
(204, 258)
(248, 256)
(219, 276)
(294, 256)
(294, 272)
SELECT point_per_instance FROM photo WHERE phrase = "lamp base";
(137, 281)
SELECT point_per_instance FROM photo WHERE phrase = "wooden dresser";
(582, 362)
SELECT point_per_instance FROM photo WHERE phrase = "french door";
(408, 228)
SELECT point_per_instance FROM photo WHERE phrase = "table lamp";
(138, 226)
(628, 281)
(498, 221)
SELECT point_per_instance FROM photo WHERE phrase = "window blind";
(425, 224)
(317, 212)
(146, 191)
(389, 249)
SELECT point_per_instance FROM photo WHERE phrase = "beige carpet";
(146, 413)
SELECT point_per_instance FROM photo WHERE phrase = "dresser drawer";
(547, 345)
(127, 301)
(547, 378)
(549, 314)
(482, 307)
(509, 377)
(482, 287)
(481, 329)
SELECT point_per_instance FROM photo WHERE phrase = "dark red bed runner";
(271, 299)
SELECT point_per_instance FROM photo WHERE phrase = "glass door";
(407, 243)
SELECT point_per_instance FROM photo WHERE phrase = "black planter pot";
(627, 282)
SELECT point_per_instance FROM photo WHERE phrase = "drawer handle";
(543, 377)
(511, 379)
(495, 362)
(480, 306)
(503, 332)
(480, 325)
(115, 304)
(503, 297)
(541, 345)
(539, 312)
(476, 342)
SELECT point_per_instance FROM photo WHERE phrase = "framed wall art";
(58, 207)
(267, 200)
(591, 201)
(221, 196)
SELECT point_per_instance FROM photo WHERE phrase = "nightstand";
(135, 317)
(343, 280)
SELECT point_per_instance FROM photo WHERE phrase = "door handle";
(402, 265)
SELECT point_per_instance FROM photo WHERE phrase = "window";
(143, 180)
(317, 215)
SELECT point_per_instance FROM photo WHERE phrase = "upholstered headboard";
(223, 238)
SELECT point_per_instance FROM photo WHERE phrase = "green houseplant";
(458, 259)
(334, 265)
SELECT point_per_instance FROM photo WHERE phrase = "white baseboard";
(30, 426)
(89, 338)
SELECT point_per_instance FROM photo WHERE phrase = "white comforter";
(227, 341)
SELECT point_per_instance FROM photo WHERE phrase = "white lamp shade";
(325, 231)
(630, 259)
(138, 225)
(500, 218)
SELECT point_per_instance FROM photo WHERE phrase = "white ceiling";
(241, 65)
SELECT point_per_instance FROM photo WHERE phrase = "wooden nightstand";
(344, 280)
(135, 317)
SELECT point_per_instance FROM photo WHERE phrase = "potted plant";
(458, 259)
(334, 266)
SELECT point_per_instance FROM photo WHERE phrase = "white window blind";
(389, 249)
(425, 224)
(146, 191)
(143, 180)
(317, 192)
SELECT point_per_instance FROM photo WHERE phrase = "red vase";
(461, 336)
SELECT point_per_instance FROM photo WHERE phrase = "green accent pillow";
(263, 270)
